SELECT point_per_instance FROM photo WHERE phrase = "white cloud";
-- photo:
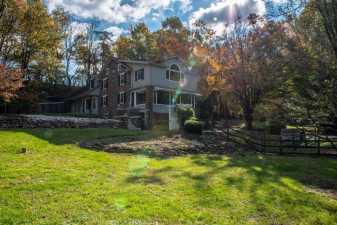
(223, 13)
(78, 28)
(115, 31)
(115, 11)
(186, 5)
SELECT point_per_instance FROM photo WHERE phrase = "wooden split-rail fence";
(288, 142)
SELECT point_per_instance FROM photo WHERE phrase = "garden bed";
(175, 145)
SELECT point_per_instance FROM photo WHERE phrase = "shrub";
(203, 109)
(184, 113)
(193, 126)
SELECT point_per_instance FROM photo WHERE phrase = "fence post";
(227, 133)
(281, 149)
(264, 141)
(318, 145)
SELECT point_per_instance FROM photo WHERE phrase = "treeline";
(29, 47)
(278, 68)
(271, 67)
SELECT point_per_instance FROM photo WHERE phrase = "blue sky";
(116, 16)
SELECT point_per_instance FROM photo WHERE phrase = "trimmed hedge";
(193, 126)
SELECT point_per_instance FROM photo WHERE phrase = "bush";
(193, 126)
(184, 113)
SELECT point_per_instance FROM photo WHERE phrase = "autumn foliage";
(10, 82)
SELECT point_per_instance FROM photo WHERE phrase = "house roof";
(141, 62)
(86, 93)
(146, 62)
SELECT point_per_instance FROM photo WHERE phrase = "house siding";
(154, 79)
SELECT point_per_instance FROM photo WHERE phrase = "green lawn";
(57, 182)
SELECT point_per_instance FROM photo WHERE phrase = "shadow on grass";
(148, 177)
(61, 136)
(275, 188)
(318, 172)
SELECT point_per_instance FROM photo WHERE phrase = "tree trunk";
(248, 115)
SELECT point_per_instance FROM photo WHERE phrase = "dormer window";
(174, 73)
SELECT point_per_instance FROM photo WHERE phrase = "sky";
(116, 16)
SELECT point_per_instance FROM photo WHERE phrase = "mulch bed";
(162, 146)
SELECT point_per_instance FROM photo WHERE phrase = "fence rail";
(310, 143)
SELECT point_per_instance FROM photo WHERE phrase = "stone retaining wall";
(41, 121)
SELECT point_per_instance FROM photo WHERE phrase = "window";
(185, 99)
(88, 104)
(122, 79)
(175, 67)
(92, 83)
(94, 103)
(132, 99)
(163, 97)
(139, 75)
(137, 98)
(105, 100)
(121, 98)
(105, 83)
(140, 98)
(175, 76)
(167, 74)
(119, 68)
(174, 73)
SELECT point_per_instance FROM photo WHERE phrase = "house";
(140, 92)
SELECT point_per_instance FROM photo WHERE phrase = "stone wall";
(41, 121)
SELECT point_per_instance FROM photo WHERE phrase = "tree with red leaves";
(10, 83)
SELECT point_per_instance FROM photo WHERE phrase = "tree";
(245, 64)
(10, 16)
(105, 44)
(38, 35)
(65, 26)
(327, 10)
(10, 83)
(311, 85)
(123, 48)
(87, 53)
(173, 39)
(141, 45)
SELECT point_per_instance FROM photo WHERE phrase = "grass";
(57, 182)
